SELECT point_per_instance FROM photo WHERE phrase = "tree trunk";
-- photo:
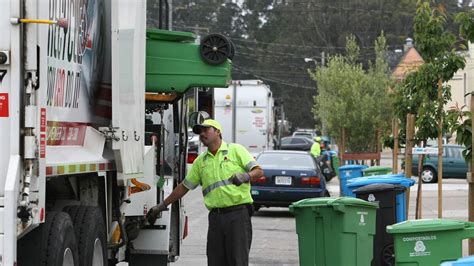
(410, 132)
(395, 146)
(440, 151)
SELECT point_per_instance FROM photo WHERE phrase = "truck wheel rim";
(427, 175)
(68, 258)
(98, 259)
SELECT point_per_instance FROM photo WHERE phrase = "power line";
(272, 80)
(286, 8)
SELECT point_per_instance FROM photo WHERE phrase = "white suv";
(306, 134)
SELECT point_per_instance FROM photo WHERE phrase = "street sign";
(429, 150)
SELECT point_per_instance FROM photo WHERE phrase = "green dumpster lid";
(322, 202)
(173, 36)
(426, 225)
(377, 168)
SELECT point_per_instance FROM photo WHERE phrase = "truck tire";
(90, 234)
(58, 243)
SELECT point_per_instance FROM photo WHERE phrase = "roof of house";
(409, 62)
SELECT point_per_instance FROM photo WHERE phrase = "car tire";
(429, 175)
(326, 193)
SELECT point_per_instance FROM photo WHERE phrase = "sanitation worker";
(224, 172)
(316, 147)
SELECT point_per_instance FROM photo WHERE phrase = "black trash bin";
(385, 195)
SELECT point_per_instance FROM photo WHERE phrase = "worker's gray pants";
(229, 238)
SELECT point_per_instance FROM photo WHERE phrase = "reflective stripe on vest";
(216, 185)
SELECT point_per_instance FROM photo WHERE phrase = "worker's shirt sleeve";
(193, 179)
(246, 159)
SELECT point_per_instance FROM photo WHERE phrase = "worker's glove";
(240, 178)
(154, 212)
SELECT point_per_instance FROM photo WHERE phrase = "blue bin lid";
(353, 167)
(384, 179)
(466, 261)
(331, 152)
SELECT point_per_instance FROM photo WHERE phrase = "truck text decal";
(74, 53)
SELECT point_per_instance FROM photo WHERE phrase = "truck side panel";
(128, 79)
(10, 84)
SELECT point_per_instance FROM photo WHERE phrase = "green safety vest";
(212, 172)
(316, 149)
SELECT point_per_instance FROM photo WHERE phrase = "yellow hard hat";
(317, 139)
(207, 123)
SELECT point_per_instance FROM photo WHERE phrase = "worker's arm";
(240, 178)
(177, 193)
(155, 211)
(255, 173)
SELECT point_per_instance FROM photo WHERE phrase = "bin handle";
(469, 230)
(337, 206)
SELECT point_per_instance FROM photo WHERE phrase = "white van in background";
(245, 110)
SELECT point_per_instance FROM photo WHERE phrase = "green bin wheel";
(388, 255)
(215, 49)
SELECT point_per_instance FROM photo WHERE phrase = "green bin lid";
(172, 36)
(329, 202)
(377, 168)
(426, 225)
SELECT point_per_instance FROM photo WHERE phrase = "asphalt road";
(275, 241)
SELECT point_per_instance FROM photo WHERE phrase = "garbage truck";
(94, 129)
(246, 111)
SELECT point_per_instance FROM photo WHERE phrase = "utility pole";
(323, 59)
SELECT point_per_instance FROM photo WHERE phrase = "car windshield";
(286, 161)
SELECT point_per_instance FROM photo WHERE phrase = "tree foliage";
(418, 93)
(352, 98)
(273, 37)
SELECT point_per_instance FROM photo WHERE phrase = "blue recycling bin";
(465, 261)
(396, 179)
(347, 172)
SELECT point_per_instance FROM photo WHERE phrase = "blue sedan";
(289, 176)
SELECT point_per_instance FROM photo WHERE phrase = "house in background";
(463, 82)
(404, 62)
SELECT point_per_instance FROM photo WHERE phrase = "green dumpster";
(429, 242)
(174, 63)
(330, 227)
(377, 170)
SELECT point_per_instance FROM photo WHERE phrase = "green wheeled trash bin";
(335, 231)
(175, 63)
(429, 242)
(377, 170)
